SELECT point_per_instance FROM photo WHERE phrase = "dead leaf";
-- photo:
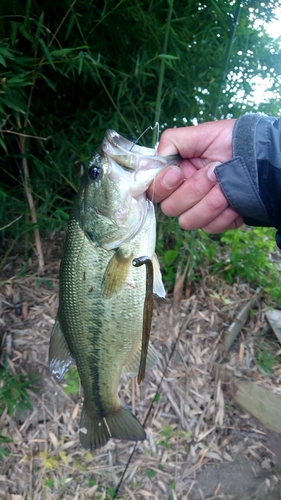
(24, 310)
(178, 288)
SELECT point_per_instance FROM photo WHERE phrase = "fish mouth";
(125, 146)
(129, 154)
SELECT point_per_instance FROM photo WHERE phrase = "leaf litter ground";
(199, 445)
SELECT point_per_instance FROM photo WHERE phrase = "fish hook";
(150, 127)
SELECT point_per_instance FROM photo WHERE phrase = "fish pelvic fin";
(95, 431)
(59, 355)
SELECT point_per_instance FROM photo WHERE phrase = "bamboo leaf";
(168, 57)
(2, 61)
(26, 35)
(47, 52)
(2, 143)
(66, 51)
(50, 84)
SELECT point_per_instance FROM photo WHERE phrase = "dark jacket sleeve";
(251, 181)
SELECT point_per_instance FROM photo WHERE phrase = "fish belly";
(102, 334)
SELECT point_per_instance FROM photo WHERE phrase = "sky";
(274, 27)
(259, 84)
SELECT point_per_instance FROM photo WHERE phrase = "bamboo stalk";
(161, 74)
(31, 206)
(22, 146)
(227, 56)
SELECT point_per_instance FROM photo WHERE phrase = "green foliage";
(69, 71)
(14, 390)
(249, 256)
(111, 492)
(157, 397)
(267, 352)
(50, 482)
(43, 281)
(3, 450)
(72, 381)
(92, 482)
(14, 396)
(265, 359)
(176, 247)
(169, 433)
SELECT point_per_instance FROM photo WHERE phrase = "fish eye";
(95, 172)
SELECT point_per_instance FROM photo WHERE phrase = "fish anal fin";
(59, 355)
(132, 368)
(116, 272)
(95, 431)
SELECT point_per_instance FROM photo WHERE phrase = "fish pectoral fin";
(132, 368)
(59, 355)
(158, 287)
(120, 423)
(116, 272)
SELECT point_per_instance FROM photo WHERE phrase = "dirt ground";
(199, 445)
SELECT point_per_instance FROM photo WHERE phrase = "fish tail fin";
(124, 425)
(95, 431)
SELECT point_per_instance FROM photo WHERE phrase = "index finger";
(206, 142)
(189, 142)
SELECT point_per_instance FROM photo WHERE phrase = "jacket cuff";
(240, 189)
(244, 142)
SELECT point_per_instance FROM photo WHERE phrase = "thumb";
(211, 170)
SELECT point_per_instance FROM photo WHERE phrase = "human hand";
(192, 191)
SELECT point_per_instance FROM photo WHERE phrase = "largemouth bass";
(104, 296)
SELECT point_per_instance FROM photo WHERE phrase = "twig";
(31, 206)
(161, 73)
(26, 135)
(238, 323)
(22, 146)
(113, 102)
(10, 223)
(182, 327)
(4, 121)
(61, 23)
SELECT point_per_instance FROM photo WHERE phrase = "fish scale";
(102, 294)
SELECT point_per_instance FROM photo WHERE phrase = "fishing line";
(148, 128)
(150, 407)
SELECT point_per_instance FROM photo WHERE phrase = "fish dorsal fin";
(59, 355)
(116, 272)
(158, 286)
(132, 368)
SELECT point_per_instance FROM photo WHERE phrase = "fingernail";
(210, 172)
(172, 177)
